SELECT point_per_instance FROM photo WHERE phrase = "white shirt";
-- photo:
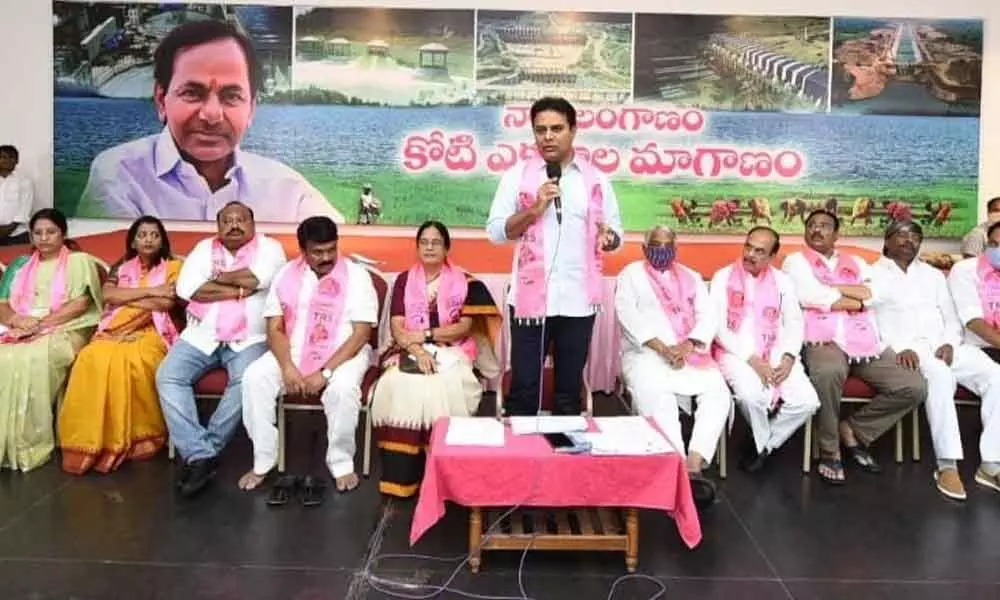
(197, 271)
(360, 306)
(915, 310)
(642, 318)
(17, 195)
(812, 293)
(565, 245)
(743, 343)
(963, 282)
(148, 177)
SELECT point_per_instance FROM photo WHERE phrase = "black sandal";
(312, 491)
(834, 464)
(284, 488)
(863, 459)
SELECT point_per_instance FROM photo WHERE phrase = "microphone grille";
(553, 170)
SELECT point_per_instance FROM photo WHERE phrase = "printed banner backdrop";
(705, 123)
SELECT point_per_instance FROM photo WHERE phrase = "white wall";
(26, 63)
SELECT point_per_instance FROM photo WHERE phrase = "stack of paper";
(626, 436)
(547, 424)
(474, 431)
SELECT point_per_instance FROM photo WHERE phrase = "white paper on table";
(547, 424)
(632, 436)
(474, 431)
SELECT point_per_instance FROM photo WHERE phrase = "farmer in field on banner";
(563, 214)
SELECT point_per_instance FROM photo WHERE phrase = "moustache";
(235, 230)
(324, 265)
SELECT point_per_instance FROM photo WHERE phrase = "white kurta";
(656, 387)
(197, 271)
(917, 313)
(799, 399)
(341, 400)
(812, 293)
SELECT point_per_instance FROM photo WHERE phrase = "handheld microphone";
(553, 170)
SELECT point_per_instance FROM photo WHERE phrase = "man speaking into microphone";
(563, 214)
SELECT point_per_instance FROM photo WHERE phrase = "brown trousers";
(897, 392)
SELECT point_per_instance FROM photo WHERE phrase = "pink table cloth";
(527, 472)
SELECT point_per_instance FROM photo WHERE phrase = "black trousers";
(15, 240)
(569, 338)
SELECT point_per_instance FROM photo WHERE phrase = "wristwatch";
(428, 336)
(327, 374)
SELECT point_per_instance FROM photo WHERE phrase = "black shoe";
(183, 473)
(201, 472)
(754, 463)
(702, 490)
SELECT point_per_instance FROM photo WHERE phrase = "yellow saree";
(34, 372)
(111, 412)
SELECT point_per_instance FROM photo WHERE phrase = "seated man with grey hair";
(667, 326)
(919, 321)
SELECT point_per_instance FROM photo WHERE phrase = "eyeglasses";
(820, 227)
(436, 243)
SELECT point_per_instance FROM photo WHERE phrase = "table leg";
(475, 537)
(632, 539)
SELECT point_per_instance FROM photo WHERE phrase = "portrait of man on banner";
(206, 78)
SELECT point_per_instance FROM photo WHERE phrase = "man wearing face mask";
(975, 287)
(667, 326)
(223, 280)
(759, 340)
(563, 214)
(974, 242)
(918, 320)
(320, 313)
(842, 338)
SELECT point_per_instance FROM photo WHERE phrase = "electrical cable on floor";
(379, 583)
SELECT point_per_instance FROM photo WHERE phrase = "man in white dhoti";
(760, 337)
(918, 320)
(320, 312)
(667, 328)
(975, 287)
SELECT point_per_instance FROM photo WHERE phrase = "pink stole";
(531, 294)
(130, 276)
(677, 299)
(861, 337)
(22, 294)
(766, 311)
(326, 310)
(452, 291)
(231, 323)
(989, 291)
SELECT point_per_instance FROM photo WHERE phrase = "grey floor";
(777, 534)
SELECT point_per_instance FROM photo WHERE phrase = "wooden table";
(564, 502)
(601, 529)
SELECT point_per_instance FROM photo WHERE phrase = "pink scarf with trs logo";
(326, 310)
(860, 336)
(231, 323)
(531, 294)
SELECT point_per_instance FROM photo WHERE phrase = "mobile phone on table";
(562, 443)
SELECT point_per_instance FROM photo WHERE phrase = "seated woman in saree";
(49, 305)
(111, 412)
(444, 324)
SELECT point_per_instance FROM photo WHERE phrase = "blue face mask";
(660, 257)
(993, 257)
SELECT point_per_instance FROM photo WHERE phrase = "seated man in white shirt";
(224, 279)
(760, 334)
(975, 287)
(918, 320)
(667, 326)
(842, 338)
(17, 195)
(320, 312)
(206, 79)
